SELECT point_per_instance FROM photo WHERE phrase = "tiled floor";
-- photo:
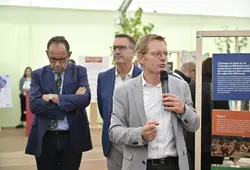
(12, 157)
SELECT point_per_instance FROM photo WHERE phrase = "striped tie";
(54, 123)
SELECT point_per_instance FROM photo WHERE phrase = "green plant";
(224, 44)
(134, 26)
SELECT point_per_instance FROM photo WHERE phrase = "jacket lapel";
(111, 79)
(138, 97)
(67, 78)
(109, 88)
(136, 71)
(51, 79)
(173, 115)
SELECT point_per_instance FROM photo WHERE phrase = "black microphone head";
(163, 75)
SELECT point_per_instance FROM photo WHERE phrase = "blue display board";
(231, 76)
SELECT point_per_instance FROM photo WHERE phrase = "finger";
(149, 131)
(153, 122)
(170, 98)
(153, 131)
(150, 127)
(170, 104)
(172, 109)
(80, 93)
(169, 95)
(152, 137)
(82, 90)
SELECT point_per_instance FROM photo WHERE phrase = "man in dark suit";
(59, 94)
(123, 53)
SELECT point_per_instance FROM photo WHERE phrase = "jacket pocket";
(128, 155)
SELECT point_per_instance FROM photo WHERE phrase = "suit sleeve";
(119, 132)
(99, 100)
(38, 106)
(77, 101)
(190, 119)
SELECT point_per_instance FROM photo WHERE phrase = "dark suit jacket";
(43, 82)
(105, 89)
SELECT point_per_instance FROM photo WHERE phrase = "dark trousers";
(191, 159)
(23, 107)
(55, 154)
(207, 160)
(170, 166)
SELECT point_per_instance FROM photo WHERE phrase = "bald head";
(188, 68)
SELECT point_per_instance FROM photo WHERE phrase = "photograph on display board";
(231, 136)
(230, 146)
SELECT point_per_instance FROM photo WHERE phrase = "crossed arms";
(39, 104)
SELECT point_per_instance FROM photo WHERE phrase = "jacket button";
(143, 162)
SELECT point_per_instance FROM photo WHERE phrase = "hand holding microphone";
(173, 103)
(170, 102)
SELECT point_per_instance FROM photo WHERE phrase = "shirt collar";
(62, 74)
(145, 84)
(129, 73)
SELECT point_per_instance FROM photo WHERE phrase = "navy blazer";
(105, 89)
(70, 105)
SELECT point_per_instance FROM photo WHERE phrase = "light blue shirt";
(62, 124)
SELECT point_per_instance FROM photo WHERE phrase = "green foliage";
(133, 26)
(242, 43)
(224, 43)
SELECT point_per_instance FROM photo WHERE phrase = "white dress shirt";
(62, 124)
(163, 145)
(118, 78)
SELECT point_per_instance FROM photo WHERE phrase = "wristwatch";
(50, 97)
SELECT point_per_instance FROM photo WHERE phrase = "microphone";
(164, 81)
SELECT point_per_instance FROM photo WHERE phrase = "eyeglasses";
(119, 47)
(159, 54)
(60, 60)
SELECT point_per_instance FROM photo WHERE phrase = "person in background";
(59, 95)
(24, 86)
(123, 50)
(72, 61)
(187, 72)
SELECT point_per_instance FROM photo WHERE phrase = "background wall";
(25, 31)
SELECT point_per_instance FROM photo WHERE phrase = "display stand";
(199, 36)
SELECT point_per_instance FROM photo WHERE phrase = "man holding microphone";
(149, 118)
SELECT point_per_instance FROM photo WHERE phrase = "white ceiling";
(237, 8)
(75, 4)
